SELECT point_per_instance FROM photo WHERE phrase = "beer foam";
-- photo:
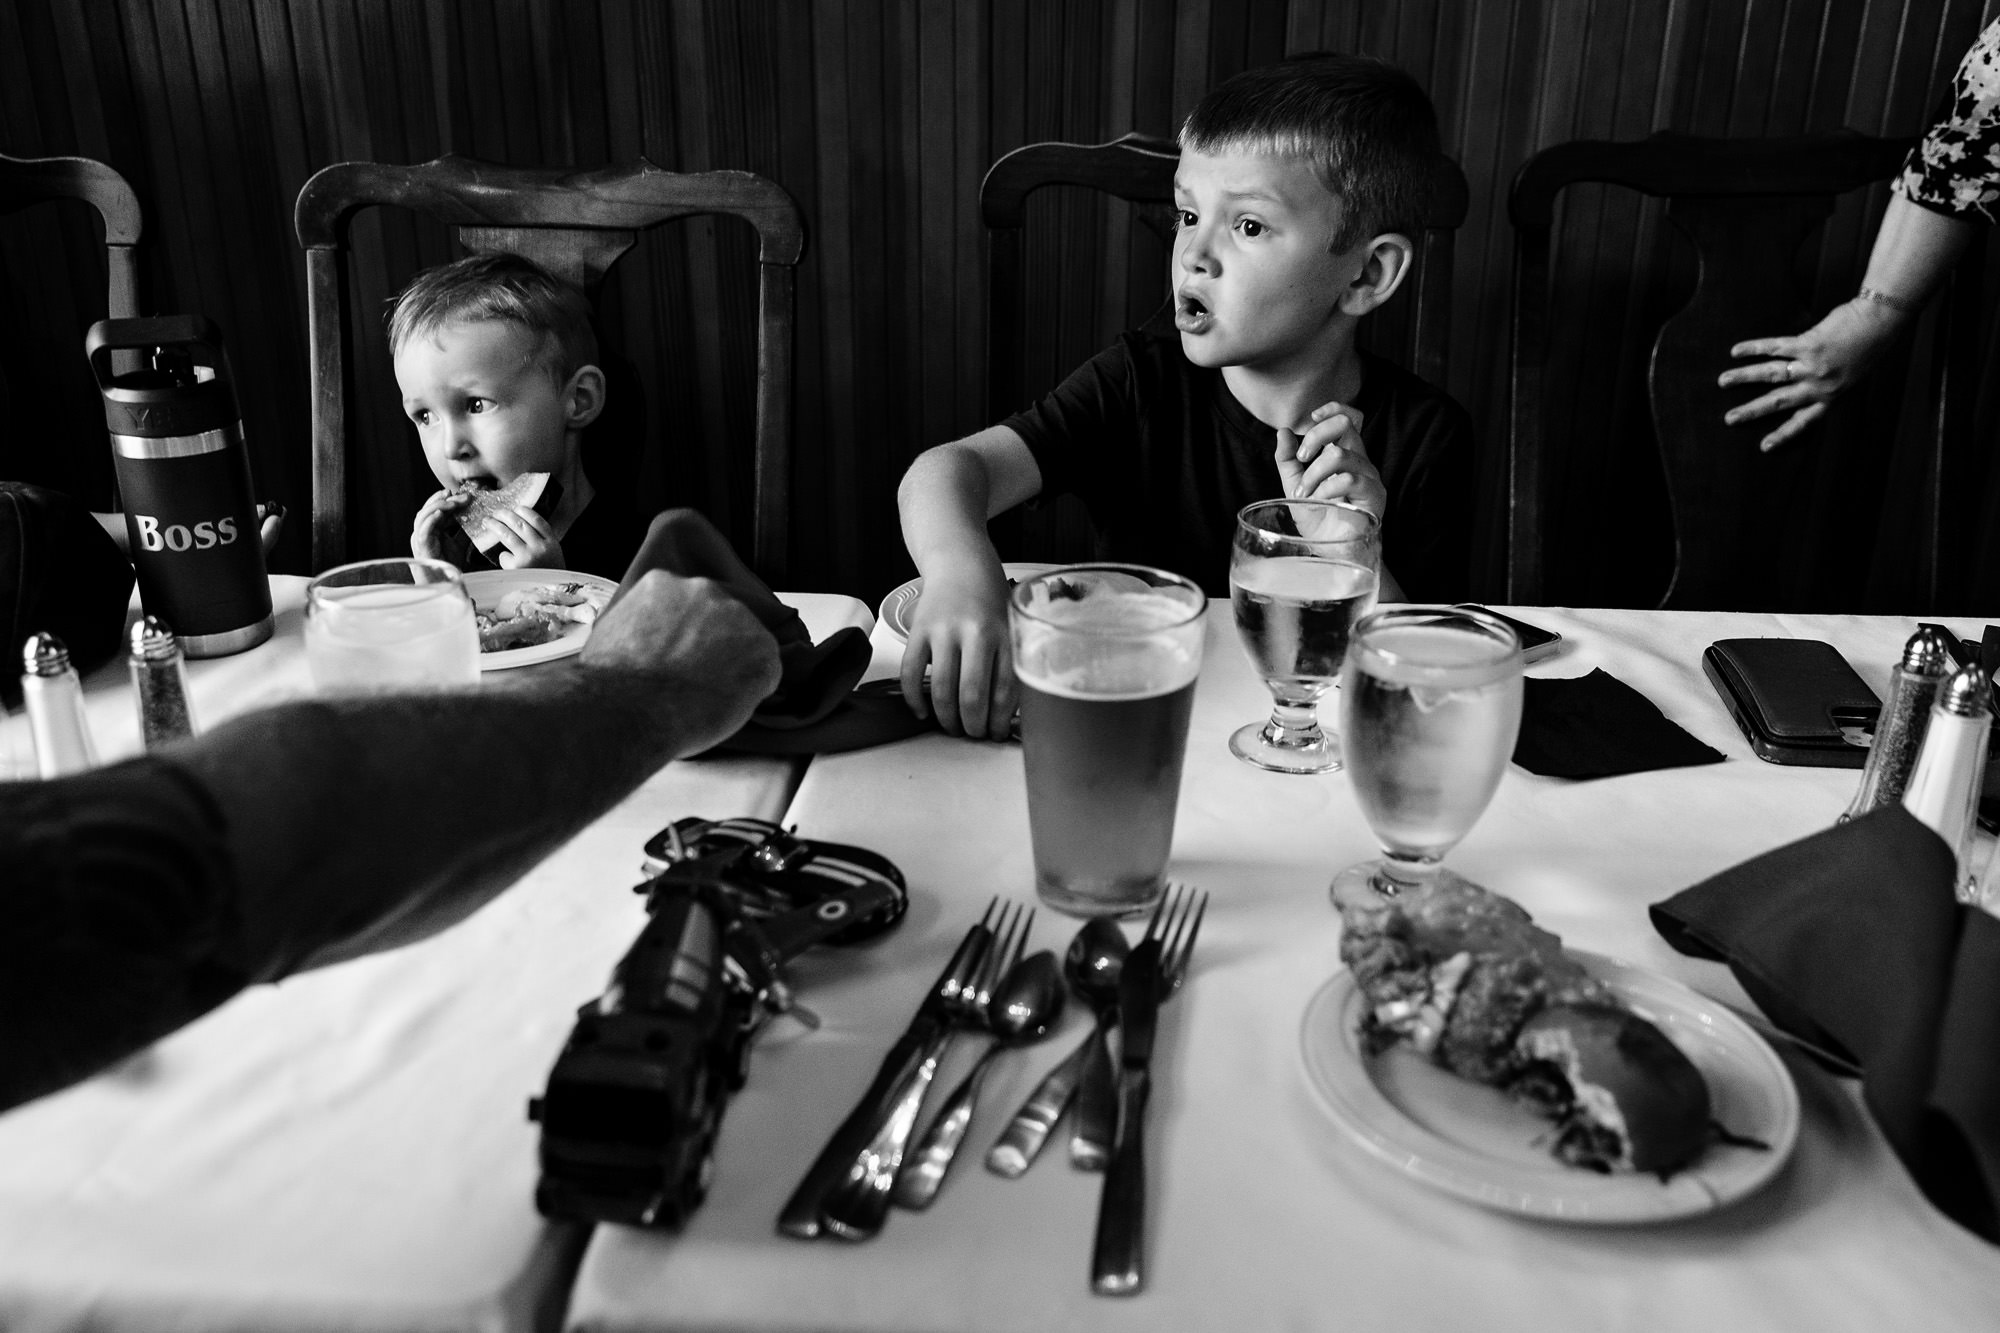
(1115, 679)
(1110, 609)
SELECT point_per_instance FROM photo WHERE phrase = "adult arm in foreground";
(136, 898)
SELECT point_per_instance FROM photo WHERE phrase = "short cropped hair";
(499, 286)
(1364, 126)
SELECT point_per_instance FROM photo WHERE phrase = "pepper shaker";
(1899, 732)
(1944, 786)
(54, 698)
(159, 679)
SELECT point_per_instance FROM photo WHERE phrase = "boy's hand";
(959, 631)
(1329, 462)
(530, 541)
(437, 510)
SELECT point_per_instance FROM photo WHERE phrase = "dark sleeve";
(1424, 446)
(1079, 431)
(1955, 168)
(117, 896)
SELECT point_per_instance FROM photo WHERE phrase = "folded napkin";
(1852, 939)
(814, 710)
(1597, 726)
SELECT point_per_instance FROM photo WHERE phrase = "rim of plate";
(1753, 1092)
(904, 596)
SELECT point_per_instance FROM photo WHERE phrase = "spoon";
(1095, 961)
(1024, 1008)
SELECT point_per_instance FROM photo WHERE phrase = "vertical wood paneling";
(880, 116)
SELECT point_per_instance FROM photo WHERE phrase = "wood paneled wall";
(880, 117)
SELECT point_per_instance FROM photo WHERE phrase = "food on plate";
(1465, 977)
(541, 613)
(477, 534)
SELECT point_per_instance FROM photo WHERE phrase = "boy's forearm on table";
(944, 501)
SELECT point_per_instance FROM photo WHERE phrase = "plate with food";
(527, 616)
(1467, 1048)
(900, 604)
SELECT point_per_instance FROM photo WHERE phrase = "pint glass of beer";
(1107, 657)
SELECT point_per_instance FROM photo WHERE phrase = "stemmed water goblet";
(1430, 706)
(1301, 572)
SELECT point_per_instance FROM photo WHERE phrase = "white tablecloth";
(1264, 1215)
(349, 1149)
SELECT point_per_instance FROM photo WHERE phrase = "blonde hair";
(499, 286)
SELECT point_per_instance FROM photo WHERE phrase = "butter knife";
(801, 1216)
(1014, 1151)
(1118, 1258)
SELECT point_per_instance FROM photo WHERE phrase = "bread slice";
(476, 541)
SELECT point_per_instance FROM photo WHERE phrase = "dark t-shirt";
(603, 540)
(1163, 456)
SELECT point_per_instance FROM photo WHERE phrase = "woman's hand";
(1811, 369)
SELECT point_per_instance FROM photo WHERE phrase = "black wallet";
(1797, 700)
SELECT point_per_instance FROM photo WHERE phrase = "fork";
(917, 1184)
(1117, 1266)
(856, 1207)
(913, 1057)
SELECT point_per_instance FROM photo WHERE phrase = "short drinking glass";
(388, 626)
(1430, 705)
(1107, 657)
(1301, 572)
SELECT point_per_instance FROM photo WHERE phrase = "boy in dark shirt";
(1297, 186)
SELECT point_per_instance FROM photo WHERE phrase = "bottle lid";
(1967, 694)
(44, 655)
(153, 641)
(1927, 652)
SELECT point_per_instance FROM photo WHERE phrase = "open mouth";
(1191, 314)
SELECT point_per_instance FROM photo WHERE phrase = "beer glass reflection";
(1301, 572)
(1430, 705)
(382, 626)
(1107, 657)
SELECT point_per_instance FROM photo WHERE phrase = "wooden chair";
(47, 417)
(1140, 168)
(25, 181)
(1747, 205)
(575, 224)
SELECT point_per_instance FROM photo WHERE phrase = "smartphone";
(1536, 642)
(1797, 701)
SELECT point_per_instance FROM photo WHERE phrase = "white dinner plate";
(1472, 1141)
(898, 605)
(488, 586)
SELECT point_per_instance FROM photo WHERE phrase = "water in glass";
(1430, 708)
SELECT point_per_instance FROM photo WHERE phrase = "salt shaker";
(159, 678)
(1943, 790)
(54, 698)
(1913, 687)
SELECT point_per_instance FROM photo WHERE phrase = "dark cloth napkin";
(61, 573)
(1597, 726)
(815, 709)
(1852, 939)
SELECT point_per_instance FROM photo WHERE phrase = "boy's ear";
(1385, 262)
(583, 396)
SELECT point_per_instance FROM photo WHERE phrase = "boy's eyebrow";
(1253, 192)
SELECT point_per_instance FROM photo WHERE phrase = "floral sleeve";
(1956, 169)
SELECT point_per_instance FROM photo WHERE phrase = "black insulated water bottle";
(184, 479)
